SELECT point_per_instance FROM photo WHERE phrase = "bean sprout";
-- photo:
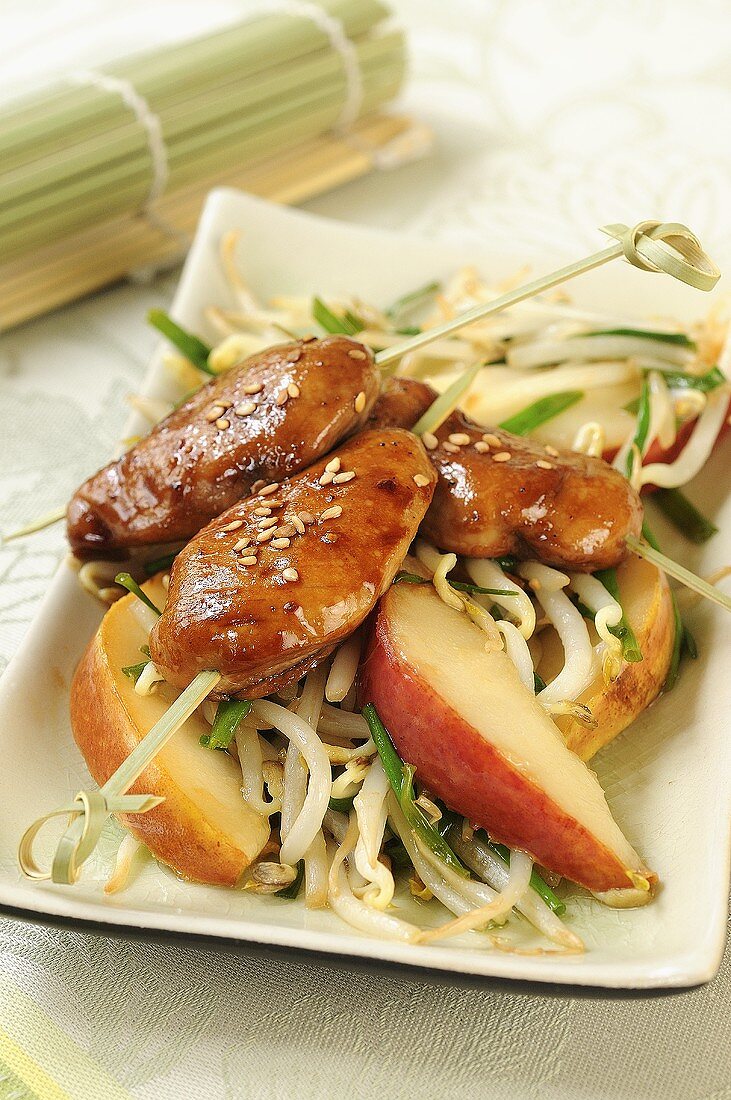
(356, 912)
(697, 450)
(442, 564)
(304, 829)
(517, 650)
(578, 670)
(316, 873)
(371, 813)
(343, 669)
(590, 440)
(147, 679)
(124, 860)
(479, 858)
(251, 762)
(488, 574)
(607, 613)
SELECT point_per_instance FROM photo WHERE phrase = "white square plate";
(667, 779)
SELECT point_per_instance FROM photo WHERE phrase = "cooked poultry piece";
(401, 403)
(269, 588)
(273, 415)
(504, 494)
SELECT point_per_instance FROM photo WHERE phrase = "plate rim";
(688, 968)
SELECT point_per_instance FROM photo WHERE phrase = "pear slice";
(481, 742)
(204, 830)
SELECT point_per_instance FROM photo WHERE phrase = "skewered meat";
(269, 588)
(503, 494)
(273, 415)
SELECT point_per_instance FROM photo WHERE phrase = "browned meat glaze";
(401, 403)
(503, 494)
(268, 589)
(273, 415)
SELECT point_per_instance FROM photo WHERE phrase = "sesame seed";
(290, 574)
(331, 513)
(306, 517)
(460, 439)
(245, 409)
(257, 485)
(430, 441)
(223, 423)
(233, 525)
(297, 524)
(214, 412)
(333, 465)
(360, 401)
(502, 456)
(250, 560)
(282, 397)
(551, 451)
(252, 387)
(262, 510)
(545, 465)
(284, 531)
(326, 478)
(347, 475)
(294, 355)
(492, 439)
(482, 447)
(242, 544)
(270, 521)
(451, 448)
(421, 480)
(269, 489)
(354, 353)
(293, 389)
(279, 544)
(264, 536)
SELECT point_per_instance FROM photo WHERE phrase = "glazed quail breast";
(270, 587)
(503, 494)
(273, 415)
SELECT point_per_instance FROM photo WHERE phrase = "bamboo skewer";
(650, 246)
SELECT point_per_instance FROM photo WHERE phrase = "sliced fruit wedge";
(204, 830)
(480, 741)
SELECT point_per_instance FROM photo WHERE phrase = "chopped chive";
(689, 644)
(341, 805)
(507, 563)
(158, 564)
(348, 324)
(135, 671)
(127, 581)
(538, 683)
(704, 383)
(402, 577)
(642, 426)
(401, 778)
(229, 713)
(413, 299)
(295, 885)
(684, 515)
(630, 646)
(678, 338)
(542, 888)
(530, 418)
(409, 330)
(632, 406)
(191, 346)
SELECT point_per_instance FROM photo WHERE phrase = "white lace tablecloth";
(551, 119)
